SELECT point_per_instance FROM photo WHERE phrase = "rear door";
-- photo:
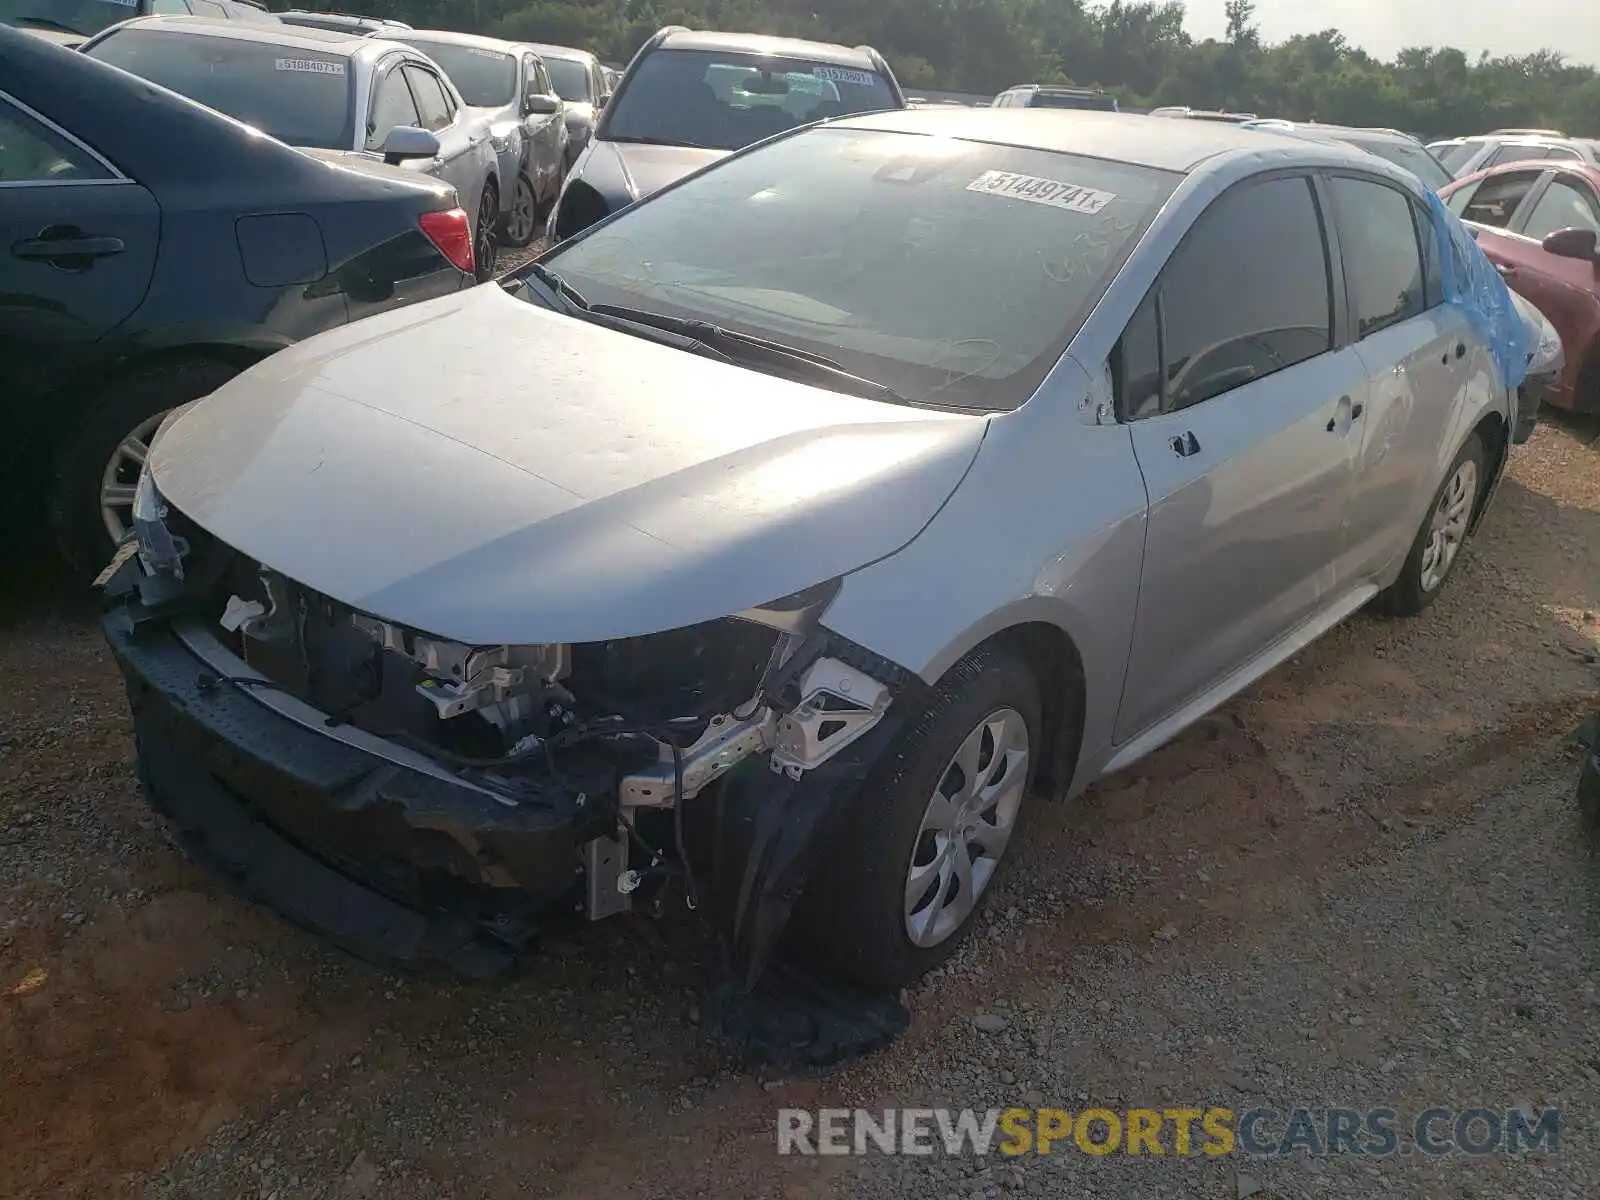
(1240, 400)
(1418, 353)
(77, 249)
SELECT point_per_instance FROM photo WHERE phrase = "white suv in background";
(1464, 155)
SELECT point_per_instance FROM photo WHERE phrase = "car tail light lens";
(451, 232)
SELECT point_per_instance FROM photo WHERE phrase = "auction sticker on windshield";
(844, 75)
(1041, 191)
(311, 66)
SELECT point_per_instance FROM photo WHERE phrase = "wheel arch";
(1052, 655)
(1495, 436)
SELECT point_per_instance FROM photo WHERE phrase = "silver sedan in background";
(507, 84)
(326, 91)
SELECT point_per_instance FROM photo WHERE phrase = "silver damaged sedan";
(776, 540)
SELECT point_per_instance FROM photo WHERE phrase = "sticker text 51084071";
(310, 66)
(1041, 191)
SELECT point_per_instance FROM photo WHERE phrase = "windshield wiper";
(50, 23)
(573, 303)
(656, 141)
(752, 351)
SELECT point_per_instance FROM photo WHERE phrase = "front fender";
(1047, 527)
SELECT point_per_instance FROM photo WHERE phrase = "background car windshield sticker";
(479, 52)
(311, 66)
(1041, 191)
(843, 75)
(122, 3)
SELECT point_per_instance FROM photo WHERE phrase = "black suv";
(154, 249)
(691, 98)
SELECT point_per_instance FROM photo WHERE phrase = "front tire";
(1437, 548)
(521, 225)
(919, 848)
(484, 241)
(97, 465)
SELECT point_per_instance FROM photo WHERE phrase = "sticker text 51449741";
(310, 66)
(1041, 191)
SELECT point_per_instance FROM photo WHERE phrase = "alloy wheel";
(524, 213)
(121, 476)
(1447, 529)
(965, 827)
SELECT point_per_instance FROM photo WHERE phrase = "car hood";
(483, 469)
(637, 170)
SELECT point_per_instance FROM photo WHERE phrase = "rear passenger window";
(1246, 294)
(1522, 153)
(1382, 261)
(1497, 198)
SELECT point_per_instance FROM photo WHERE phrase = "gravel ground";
(1360, 884)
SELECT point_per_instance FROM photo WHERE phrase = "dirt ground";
(160, 1037)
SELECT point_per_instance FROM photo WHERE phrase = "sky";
(1383, 27)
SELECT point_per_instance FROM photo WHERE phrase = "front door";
(1244, 428)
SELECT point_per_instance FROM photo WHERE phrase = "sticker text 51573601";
(844, 75)
(310, 66)
(1041, 191)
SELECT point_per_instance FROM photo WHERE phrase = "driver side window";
(391, 106)
(1247, 294)
(1564, 205)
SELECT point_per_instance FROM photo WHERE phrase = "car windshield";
(67, 16)
(570, 78)
(1407, 155)
(726, 101)
(1455, 157)
(953, 272)
(303, 97)
(485, 78)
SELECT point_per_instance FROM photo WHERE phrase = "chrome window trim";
(116, 175)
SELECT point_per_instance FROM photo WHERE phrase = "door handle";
(66, 242)
(1505, 271)
(1186, 445)
(1333, 421)
(1357, 410)
(1461, 349)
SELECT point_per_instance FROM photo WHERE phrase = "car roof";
(448, 37)
(776, 47)
(295, 37)
(550, 50)
(1157, 142)
(1561, 166)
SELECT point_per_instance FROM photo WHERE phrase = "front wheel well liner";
(1051, 654)
(1492, 432)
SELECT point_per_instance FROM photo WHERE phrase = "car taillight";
(450, 230)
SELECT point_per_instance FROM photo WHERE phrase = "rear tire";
(96, 464)
(484, 240)
(1438, 545)
(858, 915)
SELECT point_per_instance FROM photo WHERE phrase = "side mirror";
(407, 141)
(540, 104)
(1572, 243)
